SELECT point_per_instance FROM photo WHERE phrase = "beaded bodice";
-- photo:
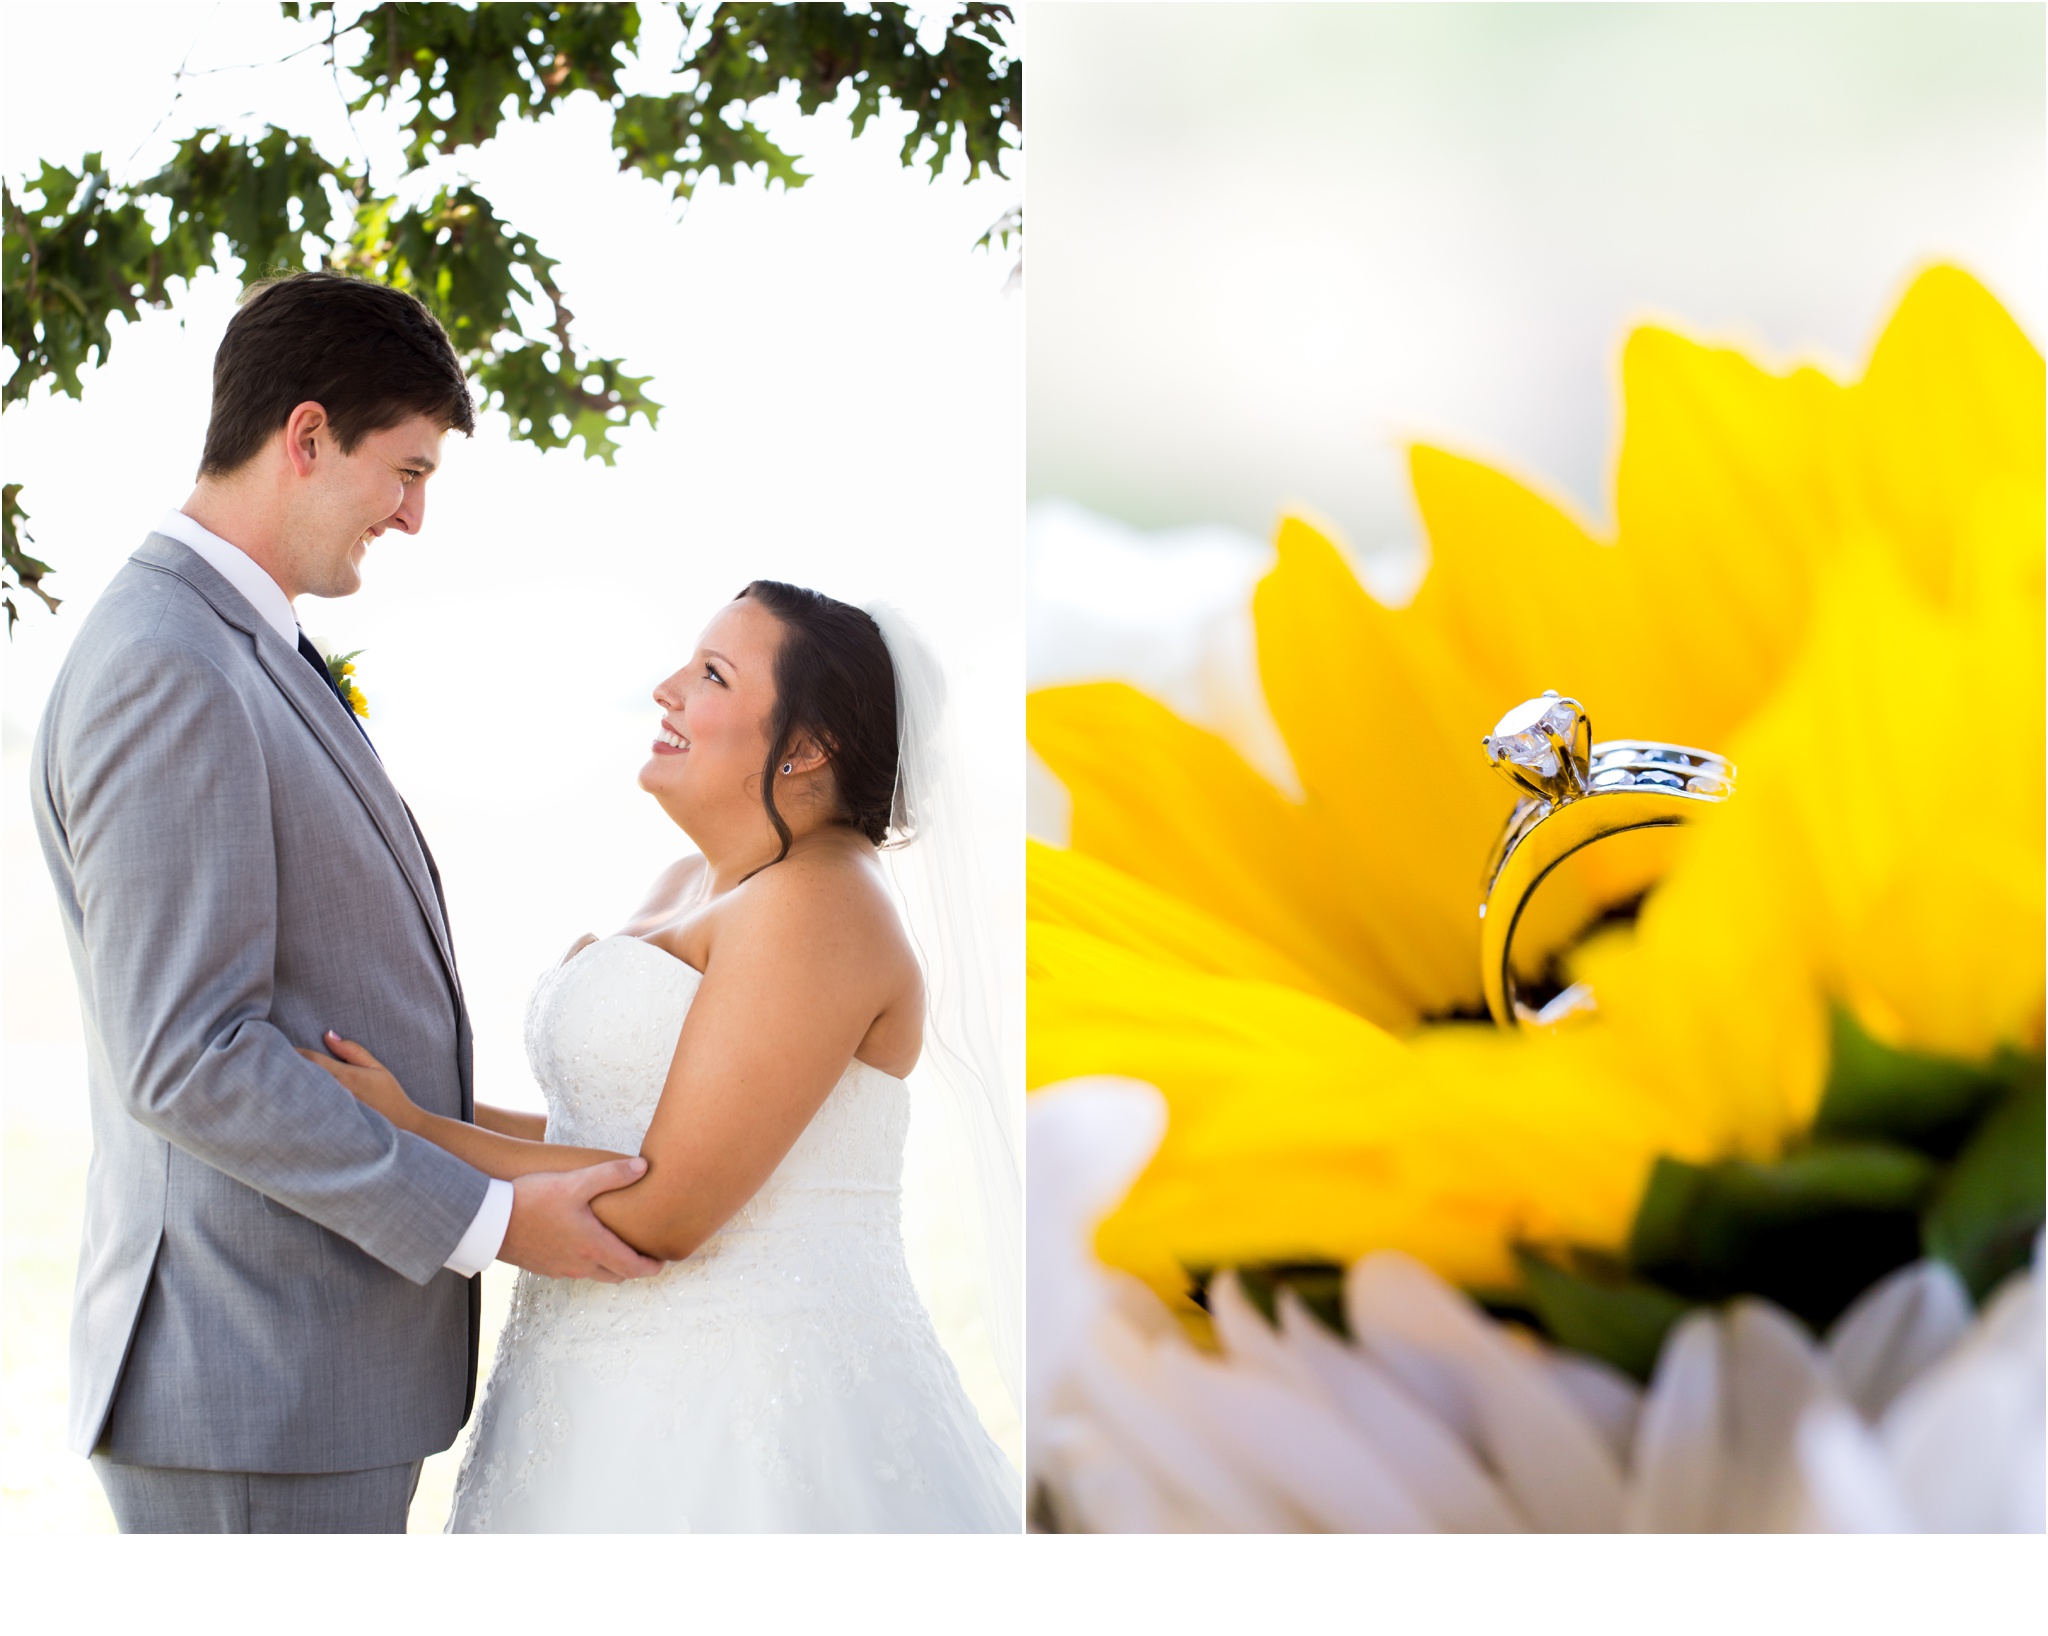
(783, 1375)
(600, 1033)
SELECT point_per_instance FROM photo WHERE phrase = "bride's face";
(713, 736)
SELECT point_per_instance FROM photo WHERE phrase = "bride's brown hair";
(834, 684)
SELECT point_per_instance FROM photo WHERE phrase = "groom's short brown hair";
(371, 356)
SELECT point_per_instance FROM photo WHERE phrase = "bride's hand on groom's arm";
(373, 1084)
(368, 1081)
(552, 1231)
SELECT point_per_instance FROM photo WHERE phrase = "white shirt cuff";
(486, 1235)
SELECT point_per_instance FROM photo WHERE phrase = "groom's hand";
(554, 1233)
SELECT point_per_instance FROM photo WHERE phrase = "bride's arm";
(492, 1148)
(529, 1127)
(793, 986)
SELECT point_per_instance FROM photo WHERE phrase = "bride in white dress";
(749, 1033)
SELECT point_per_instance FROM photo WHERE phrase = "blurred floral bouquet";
(1346, 1257)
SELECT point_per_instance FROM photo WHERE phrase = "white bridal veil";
(952, 916)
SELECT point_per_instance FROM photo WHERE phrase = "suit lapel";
(328, 721)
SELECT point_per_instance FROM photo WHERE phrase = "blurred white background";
(843, 388)
(1271, 245)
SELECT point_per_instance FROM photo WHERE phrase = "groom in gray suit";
(276, 1313)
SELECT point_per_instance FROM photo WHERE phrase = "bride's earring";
(788, 767)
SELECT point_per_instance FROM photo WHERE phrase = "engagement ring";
(1574, 792)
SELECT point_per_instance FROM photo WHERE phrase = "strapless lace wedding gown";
(785, 1377)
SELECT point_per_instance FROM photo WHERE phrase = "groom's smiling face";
(348, 498)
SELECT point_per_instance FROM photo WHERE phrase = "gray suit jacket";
(260, 1286)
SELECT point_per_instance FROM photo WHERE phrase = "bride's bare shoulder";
(842, 886)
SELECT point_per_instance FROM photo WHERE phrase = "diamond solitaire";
(1542, 746)
(1574, 792)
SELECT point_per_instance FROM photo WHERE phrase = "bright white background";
(841, 372)
(1271, 245)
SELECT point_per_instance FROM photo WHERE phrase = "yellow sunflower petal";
(1066, 888)
(1923, 847)
(1883, 851)
(1383, 722)
(1711, 998)
(1179, 809)
(1841, 587)
(1500, 560)
(1726, 495)
(1299, 1130)
(1950, 414)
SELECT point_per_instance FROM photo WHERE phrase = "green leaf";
(1598, 1309)
(679, 138)
(549, 406)
(966, 96)
(1983, 1217)
(1810, 1231)
(477, 274)
(1875, 1091)
(464, 70)
(251, 193)
(80, 248)
(23, 572)
(84, 253)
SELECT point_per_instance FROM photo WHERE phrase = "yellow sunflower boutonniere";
(342, 667)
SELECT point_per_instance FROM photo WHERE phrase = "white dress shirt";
(479, 1245)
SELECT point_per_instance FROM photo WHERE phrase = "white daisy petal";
(1248, 1339)
(1298, 1447)
(1774, 1371)
(2026, 1508)
(1550, 1457)
(1966, 1439)
(1894, 1330)
(2012, 1318)
(1680, 1448)
(1845, 1483)
(1085, 1142)
(1100, 1489)
(1118, 1380)
(1425, 1455)
(1441, 1417)
(1132, 1301)
(1430, 1380)
(1607, 1397)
